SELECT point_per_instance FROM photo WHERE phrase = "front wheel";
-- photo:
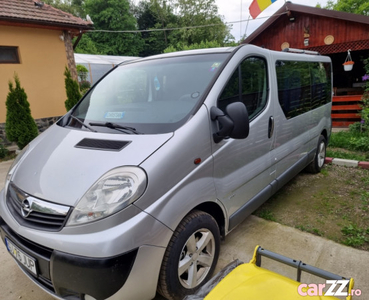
(317, 164)
(191, 256)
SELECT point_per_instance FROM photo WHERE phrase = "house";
(328, 32)
(36, 43)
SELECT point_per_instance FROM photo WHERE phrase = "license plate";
(20, 256)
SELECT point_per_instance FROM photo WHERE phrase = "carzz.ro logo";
(313, 289)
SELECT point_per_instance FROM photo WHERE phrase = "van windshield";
(153, 96)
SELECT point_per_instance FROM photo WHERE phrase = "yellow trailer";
(251, 281)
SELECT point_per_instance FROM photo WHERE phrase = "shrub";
(364, 113)
(355, 127)
(84, 85)
(72, 89)
(82, 72)
(350, 140)
(3, 151)
(20, 127)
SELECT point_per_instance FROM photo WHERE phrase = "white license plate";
(23, 258)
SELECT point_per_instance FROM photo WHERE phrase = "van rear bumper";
(70, 276)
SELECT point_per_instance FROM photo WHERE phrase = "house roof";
(290, 7)
(28, 12)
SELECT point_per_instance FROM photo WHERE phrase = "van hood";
(56, 170)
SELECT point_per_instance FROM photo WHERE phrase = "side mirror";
(234, 123)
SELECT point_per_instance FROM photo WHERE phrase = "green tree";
(74, 7)
(20, 127)
(114, 15)
(202, 45)
(154, 14)
(360, 7)
(72, 90)
(200, 13)
(86, 46)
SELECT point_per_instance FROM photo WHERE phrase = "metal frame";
(298, 264)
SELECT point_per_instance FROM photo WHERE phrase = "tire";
(190, 257)
(317, 164)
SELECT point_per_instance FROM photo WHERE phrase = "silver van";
(132, 190)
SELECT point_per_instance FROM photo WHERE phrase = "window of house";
(248, 85)
(9, 55)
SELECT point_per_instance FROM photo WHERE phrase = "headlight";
(110, 194)
(13, 167)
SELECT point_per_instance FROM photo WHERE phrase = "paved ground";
(239, 244)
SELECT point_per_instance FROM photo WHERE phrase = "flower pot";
(348, 65)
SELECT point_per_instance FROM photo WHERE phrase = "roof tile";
(26, 10)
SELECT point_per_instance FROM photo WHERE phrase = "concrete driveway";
(240, 244)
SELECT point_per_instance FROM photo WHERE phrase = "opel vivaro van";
(131, 191)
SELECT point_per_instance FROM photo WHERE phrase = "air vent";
(106, 145)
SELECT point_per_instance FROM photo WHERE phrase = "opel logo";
(26, 208)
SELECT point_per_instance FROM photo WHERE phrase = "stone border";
(347, 163)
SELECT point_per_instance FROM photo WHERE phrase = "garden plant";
(20, 127)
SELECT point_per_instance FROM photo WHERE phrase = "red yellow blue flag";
(257, 6)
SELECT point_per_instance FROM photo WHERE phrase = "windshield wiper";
(125, 129)
(83, 124)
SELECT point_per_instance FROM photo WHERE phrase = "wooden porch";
(345, 110)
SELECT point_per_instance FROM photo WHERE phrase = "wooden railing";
(345, 110)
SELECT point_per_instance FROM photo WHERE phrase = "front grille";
(35, 213)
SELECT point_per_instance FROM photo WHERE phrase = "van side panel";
(175, 183)
(292, 140)
(302, 106)
(244, 167)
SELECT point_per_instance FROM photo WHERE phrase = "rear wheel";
(191, 256)
(317, 164)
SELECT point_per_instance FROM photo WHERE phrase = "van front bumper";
(68, 276)
(72, 276)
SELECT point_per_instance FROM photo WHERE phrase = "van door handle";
(271, 127)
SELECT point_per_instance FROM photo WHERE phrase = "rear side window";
(249, 85)
(302, 86)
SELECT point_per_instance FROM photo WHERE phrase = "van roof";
(192, 52)
(256, 49)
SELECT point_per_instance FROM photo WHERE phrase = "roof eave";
(322, 12)
(57, 25)
(279, 13)
(306, 10)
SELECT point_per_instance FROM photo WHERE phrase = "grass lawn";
(349, 145)
(333, 204)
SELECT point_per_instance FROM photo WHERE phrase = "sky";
(231, 10)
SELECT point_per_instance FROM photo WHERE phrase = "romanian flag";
(257, 6)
